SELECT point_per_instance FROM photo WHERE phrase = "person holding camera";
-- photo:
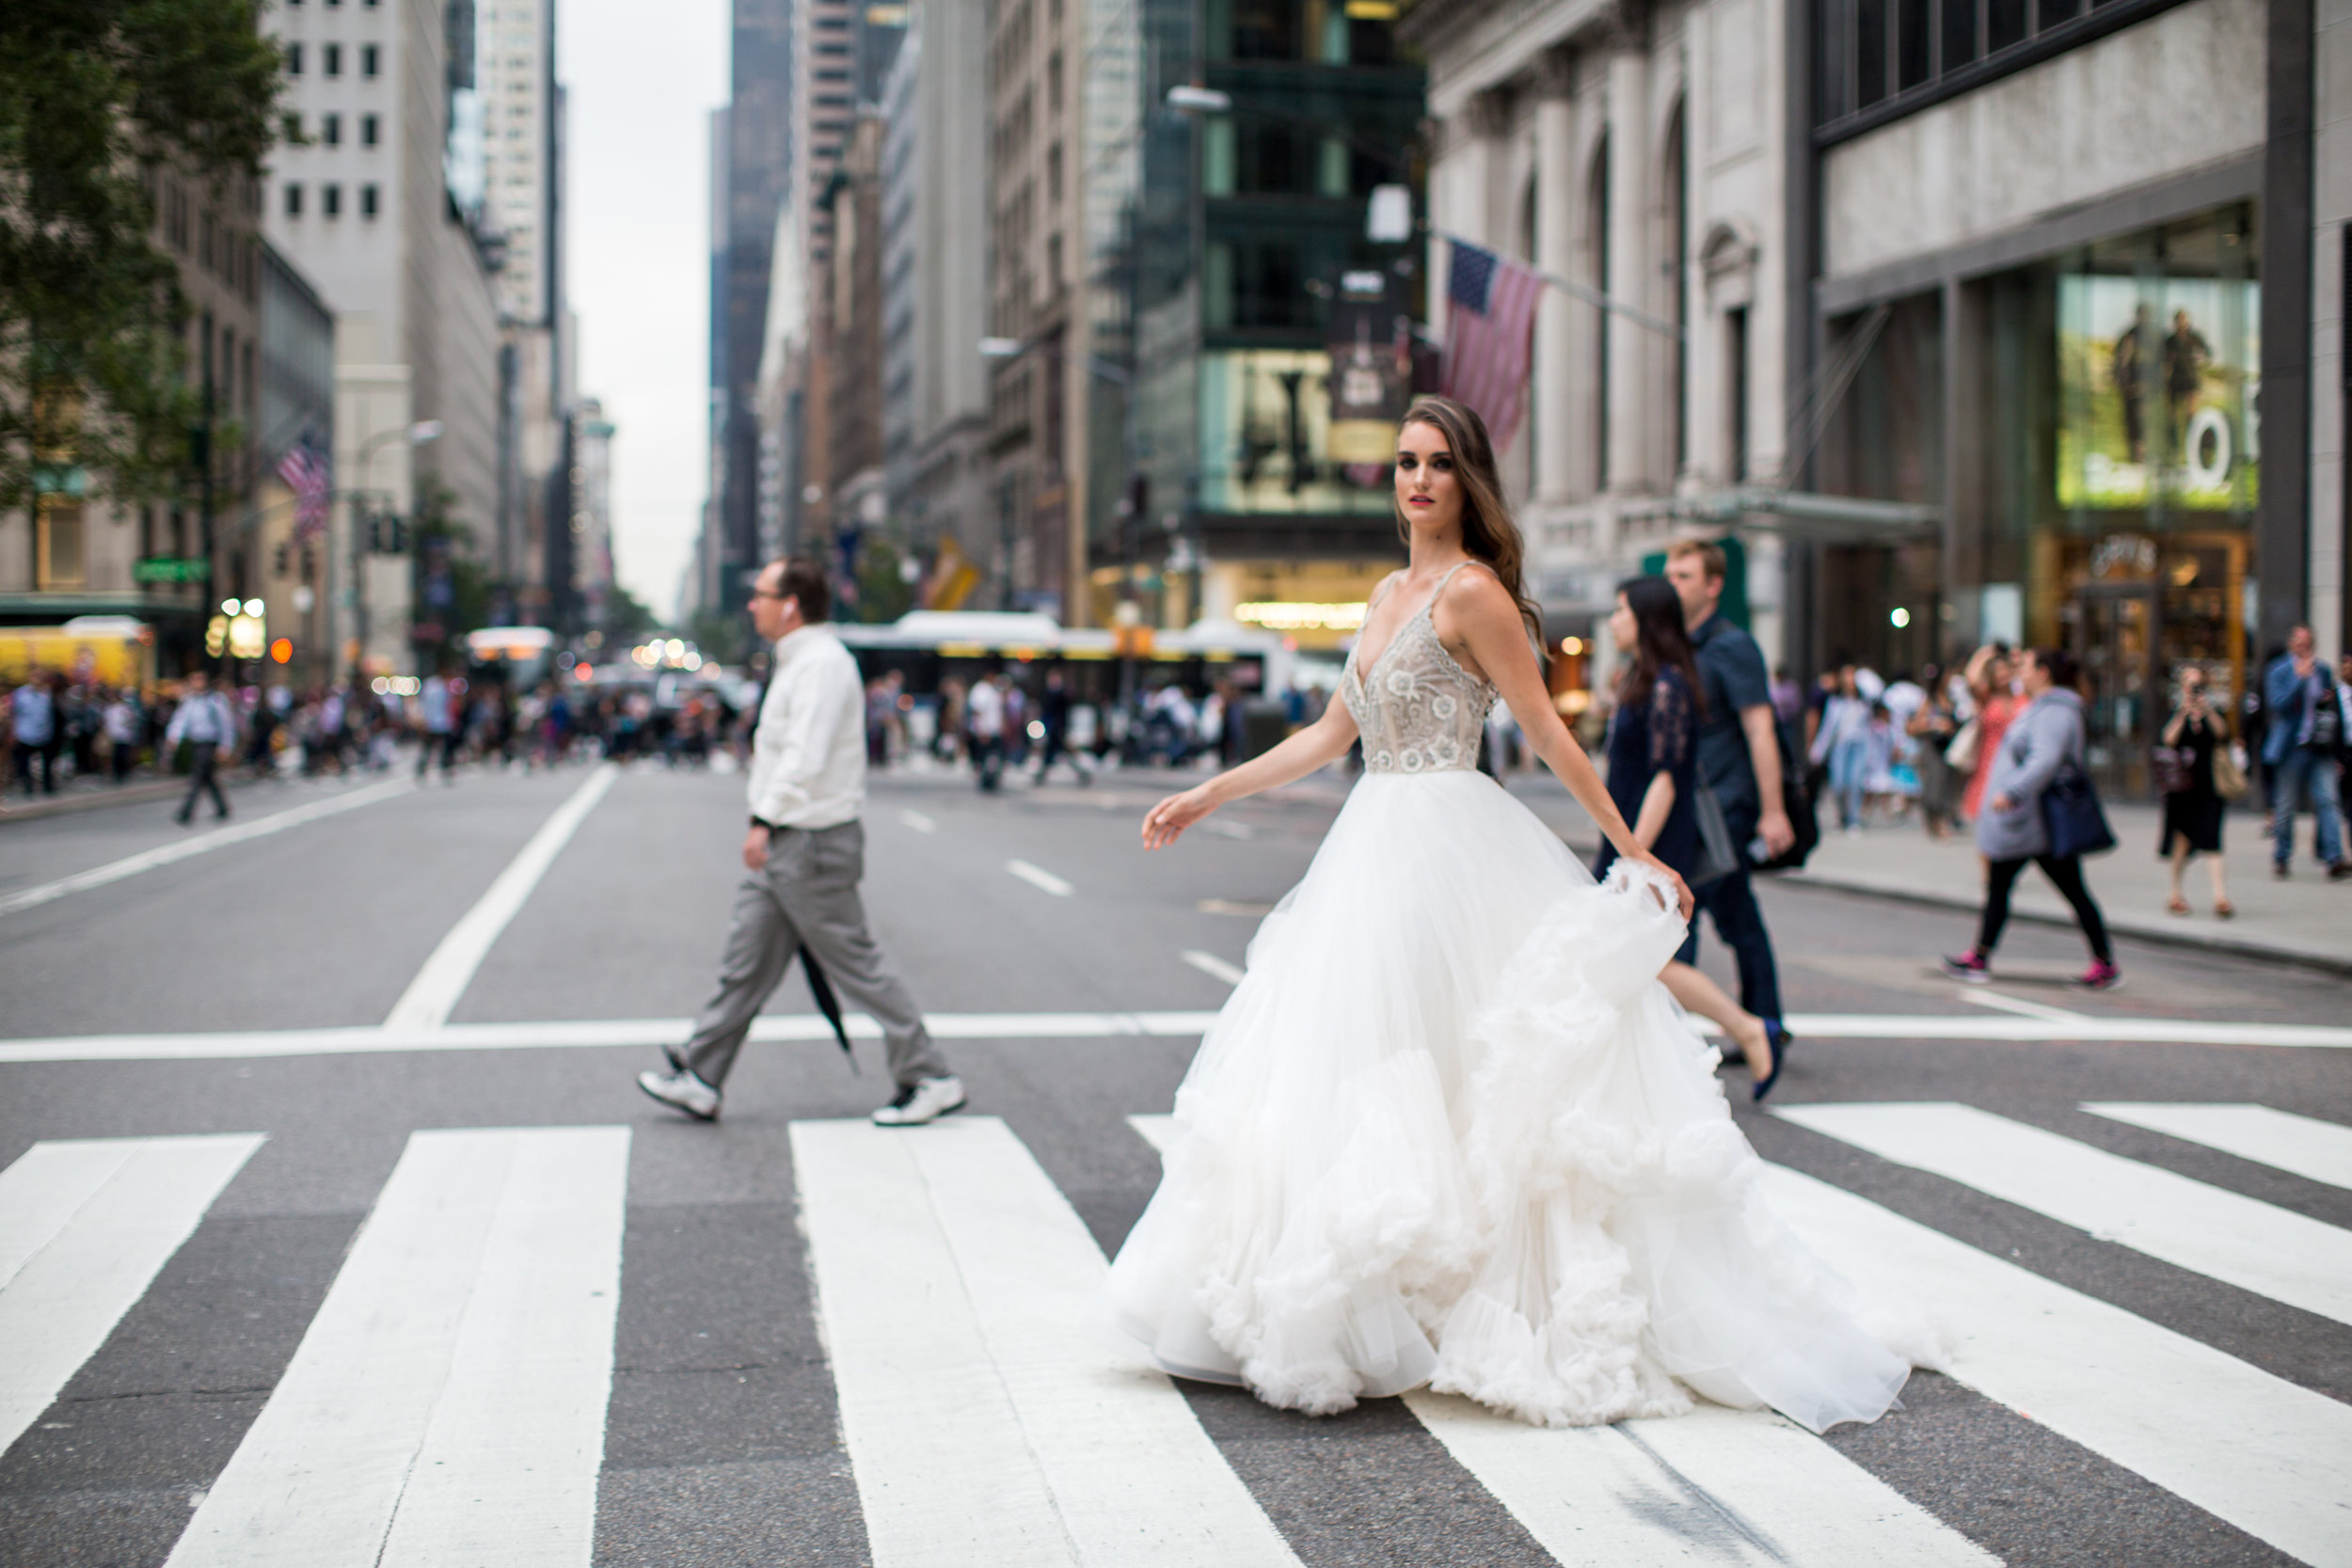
(2192, 742)
(2306, 733)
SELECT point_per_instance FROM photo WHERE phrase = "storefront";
(2100, 478)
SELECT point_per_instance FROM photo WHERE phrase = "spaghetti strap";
(1439, 591)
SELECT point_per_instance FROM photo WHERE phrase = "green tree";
(883, 593)
(720, 637)
(453, 587)
(98, 98)
(626, 619)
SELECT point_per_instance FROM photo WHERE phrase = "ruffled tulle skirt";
(1451, 1131)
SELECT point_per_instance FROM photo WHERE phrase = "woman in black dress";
(1653, 780)
(2192, 814)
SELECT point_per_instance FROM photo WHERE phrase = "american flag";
(310, 474)
(1490, 337)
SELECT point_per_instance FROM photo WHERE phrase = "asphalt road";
(151, 988)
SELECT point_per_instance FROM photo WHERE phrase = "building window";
(1052, 173)
(1053, 261)
(1880, 58)
(368, 60)
(59, 547)
(367, 129)
(294, 199)
(293, 59)
(331, 130)
(290, 127)
(366, 201)
(330, 201)
(334, 59)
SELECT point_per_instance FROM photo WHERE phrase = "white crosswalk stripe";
(2301, 1146)
(448, 1403)
(85, 1226)
(982, 1424)
(2255, 1246)
(2250, 1447)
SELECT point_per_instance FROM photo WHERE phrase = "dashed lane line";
(1037, 877)
(1212, 966)
(919, 822)
(220, 838)
(2019, 1006)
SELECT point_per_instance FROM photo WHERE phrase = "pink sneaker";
(1971, 966)
(2101, 976)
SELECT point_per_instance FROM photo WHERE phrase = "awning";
(1797, 515)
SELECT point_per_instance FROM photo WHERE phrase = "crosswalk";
(448, 1402)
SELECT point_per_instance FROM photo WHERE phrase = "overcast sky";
(643, 80)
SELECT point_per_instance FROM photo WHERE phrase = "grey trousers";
(807, 895)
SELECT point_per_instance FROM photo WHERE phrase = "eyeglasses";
(765, 593)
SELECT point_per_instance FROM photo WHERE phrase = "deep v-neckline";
(1365, 670)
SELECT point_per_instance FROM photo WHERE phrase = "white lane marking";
(1232, 830)
(1730, 1486)
(920, 823)
(1893, 1028)
(2241, 1240)
(2303, 1146)
(448, 1403)
(1212, 966)
(86, 1225)
(952, 1277)
(427, 1001)
(2019, 1006)
(2102, 1377)
(220, 838)
(1037, 877)
(1748, 1486)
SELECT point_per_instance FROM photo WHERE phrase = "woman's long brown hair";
(1489, 532)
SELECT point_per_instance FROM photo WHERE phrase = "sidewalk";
(2307, 920)
(91, 793)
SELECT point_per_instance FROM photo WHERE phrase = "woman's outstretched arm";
(1487, 622)
(1323, 741)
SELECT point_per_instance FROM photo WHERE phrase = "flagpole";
(1589, 295)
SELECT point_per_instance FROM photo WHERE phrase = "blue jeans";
(1849, 765)
(2302, 771)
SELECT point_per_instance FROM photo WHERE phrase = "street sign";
(166, 568)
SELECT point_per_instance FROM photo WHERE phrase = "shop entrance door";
(2114, 636)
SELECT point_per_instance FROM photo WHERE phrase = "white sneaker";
(682, 1092)
(917, 1103)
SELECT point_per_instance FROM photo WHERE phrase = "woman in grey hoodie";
(2042, 739)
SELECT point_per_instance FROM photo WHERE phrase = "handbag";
(2228, 774)
(1961, 754)
(1718, 856)
(1796, 798)
(2071, 814)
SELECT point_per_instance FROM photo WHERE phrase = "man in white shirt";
(204, 721)
(804, 858)
(985, 719)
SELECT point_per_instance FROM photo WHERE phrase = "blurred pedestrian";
(1842, 745)
(804, 858)
(1989, 678)
(2045, 738)
(1738, 756)
(438, 711)
(1932, 729)
(205, 722)
(1654, 779)
(2307, 733)
(123, 723)
(33, 725)
(984, 721)
(1053, 711)
(2186, 748)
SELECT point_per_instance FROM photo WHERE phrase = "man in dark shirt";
(1740, 760)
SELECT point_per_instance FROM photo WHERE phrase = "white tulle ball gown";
(1451, 1131)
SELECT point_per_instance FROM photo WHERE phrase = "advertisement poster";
(1372, 373)
(2156, 387)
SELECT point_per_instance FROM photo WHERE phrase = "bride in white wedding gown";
(1449, 1130)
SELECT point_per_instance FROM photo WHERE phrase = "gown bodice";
(1417, 710)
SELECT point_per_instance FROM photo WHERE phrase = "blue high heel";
(1780, 1038)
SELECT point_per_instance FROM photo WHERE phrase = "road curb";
(128, 795)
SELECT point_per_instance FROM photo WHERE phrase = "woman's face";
(1623, 630)
(1428, 488)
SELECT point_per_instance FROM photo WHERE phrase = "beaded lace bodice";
(1418, 711)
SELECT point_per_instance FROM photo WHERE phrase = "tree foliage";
(98, 98)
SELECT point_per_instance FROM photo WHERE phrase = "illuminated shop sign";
(2158, 382)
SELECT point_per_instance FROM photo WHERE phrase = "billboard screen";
(2157, 379)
